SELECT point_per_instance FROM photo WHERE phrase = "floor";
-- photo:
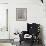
(27, 44)
(5, 44)
(23, 44)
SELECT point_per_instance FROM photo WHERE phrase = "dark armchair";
(33, 30)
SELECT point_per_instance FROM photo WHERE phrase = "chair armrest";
(24, 32)
(22, 35)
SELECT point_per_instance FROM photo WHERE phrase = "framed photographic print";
(21, 14)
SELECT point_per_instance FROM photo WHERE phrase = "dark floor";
(29, 44)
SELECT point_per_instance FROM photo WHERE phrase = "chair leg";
(32, 43)
(20, 42)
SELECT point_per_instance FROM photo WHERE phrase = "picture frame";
(21, 14)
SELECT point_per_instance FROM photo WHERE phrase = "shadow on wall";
(41, 34)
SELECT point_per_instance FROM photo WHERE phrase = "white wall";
(3, 1)
(35, 13)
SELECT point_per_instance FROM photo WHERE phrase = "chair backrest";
(33, 28)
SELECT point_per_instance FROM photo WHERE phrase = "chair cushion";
(27, 36)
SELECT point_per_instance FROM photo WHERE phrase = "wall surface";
(3, 1)
(35, 14)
